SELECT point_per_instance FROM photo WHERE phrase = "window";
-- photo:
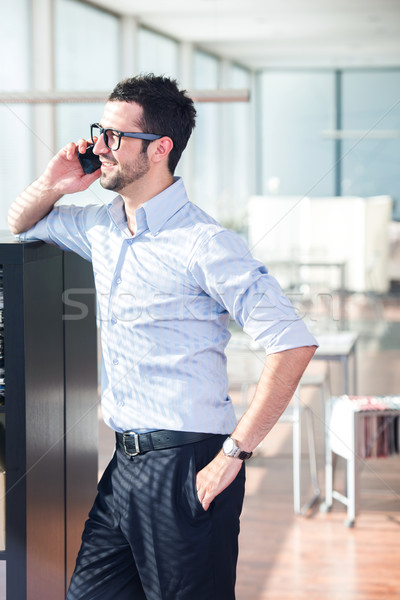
(84, 66)
(296, 107)
(371, 106)
(206, 183)
(237, 156)
(157, 54)
(16, 156)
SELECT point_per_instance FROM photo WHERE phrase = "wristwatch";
(230, 448)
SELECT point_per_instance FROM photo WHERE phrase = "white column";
(44, 142)
(129, 30)
(254, 135)
(225, 136)
(186, 65)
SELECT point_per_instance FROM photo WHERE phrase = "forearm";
(31, 205)
(63, 175)
(277, 384)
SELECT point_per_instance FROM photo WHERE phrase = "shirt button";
(118, 280)
(115, 361)
(113, 321)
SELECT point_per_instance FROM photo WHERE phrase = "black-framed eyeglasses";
(112, 137)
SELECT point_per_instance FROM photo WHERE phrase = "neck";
(144, 190)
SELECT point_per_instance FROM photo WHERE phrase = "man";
(165, 522)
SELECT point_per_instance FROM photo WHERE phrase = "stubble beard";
(126, 175)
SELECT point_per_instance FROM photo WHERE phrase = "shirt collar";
(156, 211)
(163, 206)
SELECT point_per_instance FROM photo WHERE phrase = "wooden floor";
(288, 557)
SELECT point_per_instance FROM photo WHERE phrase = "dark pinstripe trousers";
(148, 537)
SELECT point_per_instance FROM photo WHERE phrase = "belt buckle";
(135, 436)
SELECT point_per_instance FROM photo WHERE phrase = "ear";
(160, 149)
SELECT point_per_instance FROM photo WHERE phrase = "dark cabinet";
(48, 414)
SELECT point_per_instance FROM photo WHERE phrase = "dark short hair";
(166, 109)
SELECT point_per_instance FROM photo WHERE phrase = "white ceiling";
(284, 33)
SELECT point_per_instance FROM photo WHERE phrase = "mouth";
(105, 164)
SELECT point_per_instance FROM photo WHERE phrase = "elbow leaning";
(13, 228)
(13, 224)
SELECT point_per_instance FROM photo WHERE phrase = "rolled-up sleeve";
(67, 227)
(225, 269)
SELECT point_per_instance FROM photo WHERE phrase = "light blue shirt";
(164, 299)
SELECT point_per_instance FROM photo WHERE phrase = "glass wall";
(157, 54)
(296, 107)
(218, 176)
(371, 158)
(206, 182)
(16, 157)
(86, 66)
(361, 158)
(238, 138)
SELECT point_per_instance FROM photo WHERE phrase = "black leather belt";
(139, 443)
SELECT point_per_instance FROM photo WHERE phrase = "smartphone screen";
(90, 162)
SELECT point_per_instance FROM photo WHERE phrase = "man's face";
(123, 167)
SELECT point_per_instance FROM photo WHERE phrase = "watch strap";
(244, 455)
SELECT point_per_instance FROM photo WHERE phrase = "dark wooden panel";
(81, 399)
(51, 414)
(44, 373)
(14, 357)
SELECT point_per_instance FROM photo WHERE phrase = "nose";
(100, 146)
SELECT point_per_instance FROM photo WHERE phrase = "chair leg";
(298, 508)
(312, 457)
(329, 458)
(296, 465)
(312, 453)
(352, 473)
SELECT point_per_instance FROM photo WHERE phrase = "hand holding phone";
(90, 162)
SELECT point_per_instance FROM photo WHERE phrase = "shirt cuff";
(295, 335)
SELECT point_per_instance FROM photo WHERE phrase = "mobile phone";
(90, 162)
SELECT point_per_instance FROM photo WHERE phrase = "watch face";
(228, 445)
